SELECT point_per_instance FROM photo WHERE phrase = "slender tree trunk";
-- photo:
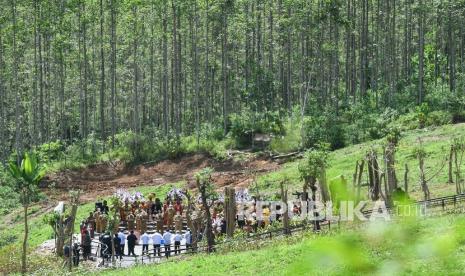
(14, 87)
(136, 117)
(406, 179)
(165, 71)
(451, 48)
(451, 158)
(421, 45)
(26, 236)
(286, 206)
(2, 106)
(113, 72)
(102, 77)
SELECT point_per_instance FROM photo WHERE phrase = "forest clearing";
(218, 137)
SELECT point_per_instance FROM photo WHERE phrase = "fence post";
(442, 203)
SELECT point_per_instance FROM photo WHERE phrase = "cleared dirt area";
(105, 179)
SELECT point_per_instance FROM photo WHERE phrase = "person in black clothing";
(105, 251)
(86, 245)
(240, 221)
(98, 206)
(105, 207)
(223, 226)
(132, 239)
(116, 242)
(66, 251)
(157, 206)
(76, 252)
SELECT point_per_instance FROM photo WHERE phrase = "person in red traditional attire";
(178, 207)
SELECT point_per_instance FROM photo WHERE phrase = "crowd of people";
(161, 243)
(147, 220)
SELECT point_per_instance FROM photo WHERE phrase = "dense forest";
(70, 70)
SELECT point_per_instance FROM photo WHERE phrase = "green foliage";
(205, 184)
(393, 136)
(50, 152)
(9, 198)
(247, 123)
(422, 112)
(314, 161)
(291, 140)
(322, 129)
(51, 218)
(339, 190)
(366, 123)
(27, 177)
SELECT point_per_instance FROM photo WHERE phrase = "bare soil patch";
(104, 179)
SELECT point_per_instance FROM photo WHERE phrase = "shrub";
(50, 152)
(244, 125)
(322, 129)
(438, 118)
(422, 112)
(407, 121)
(290, 141)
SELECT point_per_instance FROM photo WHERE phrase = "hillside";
(435, 140)
(431, 246)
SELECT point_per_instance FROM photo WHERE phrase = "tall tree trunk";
(451, 47)
(136, 117)
(421, 53)
(3, 99)
(102, 77)
(26, 236)
(14, 86)
(165, 71)
(113, 71)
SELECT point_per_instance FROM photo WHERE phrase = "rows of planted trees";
(76, 69)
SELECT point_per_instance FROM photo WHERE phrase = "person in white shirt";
(122, 243)
(177, 243)
(156, 239)
(167, 240)
(145, 242)
(188, 237)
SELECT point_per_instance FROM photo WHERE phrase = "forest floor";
(104, 179)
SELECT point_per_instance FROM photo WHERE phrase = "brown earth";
(104, 179)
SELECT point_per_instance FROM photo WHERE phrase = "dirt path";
(105, 179)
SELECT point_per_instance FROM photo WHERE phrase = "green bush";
(8, 198)
(405, 122)
(290, 141)
(324, 129)
(50, 152)
(244, 125)
(365, 123)
(438, 118)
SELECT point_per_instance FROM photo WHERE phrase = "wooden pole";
(286, 214)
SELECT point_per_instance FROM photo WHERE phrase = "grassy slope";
(40, 232)
(342, 162)
(433, 246)
(436, 142)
